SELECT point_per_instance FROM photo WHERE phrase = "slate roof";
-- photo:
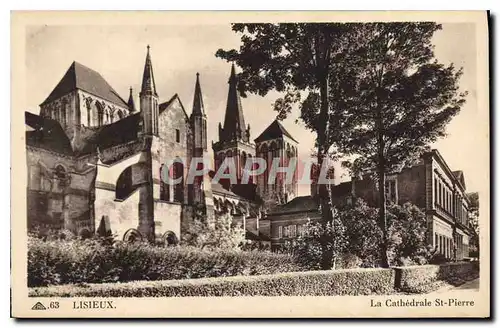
(298, 204)
(47, 134)
(120, 132)
(273, 131)
(86, 79)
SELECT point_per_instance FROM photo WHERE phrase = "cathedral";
(95, 161)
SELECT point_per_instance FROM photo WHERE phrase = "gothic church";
(95, 160)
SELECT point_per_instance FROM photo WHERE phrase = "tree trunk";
(384, 261)
(323, 192)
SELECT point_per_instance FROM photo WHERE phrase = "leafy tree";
(474, 224)
(219, 232)
(404, 100)
(309, 248)
(407, 227)
(363, 233)
(298, 60)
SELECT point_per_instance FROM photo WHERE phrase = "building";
(430, 184)
(96, 162)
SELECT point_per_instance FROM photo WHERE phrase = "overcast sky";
(178, 52)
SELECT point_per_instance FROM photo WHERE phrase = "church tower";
(149, 99)
(202, 187)
(149, 113)
(234, 138)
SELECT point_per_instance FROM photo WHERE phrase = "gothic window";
(63, 112)
(164, 187)
(178, 172)
(119, 114)
(124, 185)
(100, 114)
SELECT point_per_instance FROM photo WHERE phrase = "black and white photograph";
(213, 157)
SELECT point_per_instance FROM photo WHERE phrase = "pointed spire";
(198, 107)
(234, 121)
(131, 103)
(148, 79)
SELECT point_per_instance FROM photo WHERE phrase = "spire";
(234, 122)
(148, 80)
(131, 103)
(198, 107)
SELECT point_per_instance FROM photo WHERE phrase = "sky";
(180, 51)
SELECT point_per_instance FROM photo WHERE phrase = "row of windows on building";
(449, 201)
(291, 231)
(444, 245)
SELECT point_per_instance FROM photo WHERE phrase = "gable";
(83, 78)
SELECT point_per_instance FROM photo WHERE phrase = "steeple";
(131, 103)
(148, 79)
(198, 107)
(234, 122)
(149, 99)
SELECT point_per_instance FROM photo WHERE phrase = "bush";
(312, 283)
(416, 278)
(57, 262)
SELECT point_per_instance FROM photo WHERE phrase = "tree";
(404, 100)
(297, 59)
(316, 238)
(219, 232)
(474, 224)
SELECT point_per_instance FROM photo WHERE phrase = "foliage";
(309, 64)
(55, 262)
(404, 100)
(474, 225)
(214, 233)
(416, 278)
(313, 283)
(317, 239)
(362, 232)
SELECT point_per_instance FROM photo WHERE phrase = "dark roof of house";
(83, 78)
(46, 133)
(273, 131)
(120, 132)
(218, 188)
(301, 203)
(342, 189)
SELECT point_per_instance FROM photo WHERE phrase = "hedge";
(60, 262)
(311, 283)
(416, 278)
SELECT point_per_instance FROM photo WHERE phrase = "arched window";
(132, 235)
(119, 114)
(164, 187)
(264, 155)
(88, 104)
(124, 185)
(178, 172)
(170, 239)
(100, 113)
(63, 112)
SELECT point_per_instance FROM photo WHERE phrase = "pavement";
(470, 286)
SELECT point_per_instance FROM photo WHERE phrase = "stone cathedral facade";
(95, 160)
